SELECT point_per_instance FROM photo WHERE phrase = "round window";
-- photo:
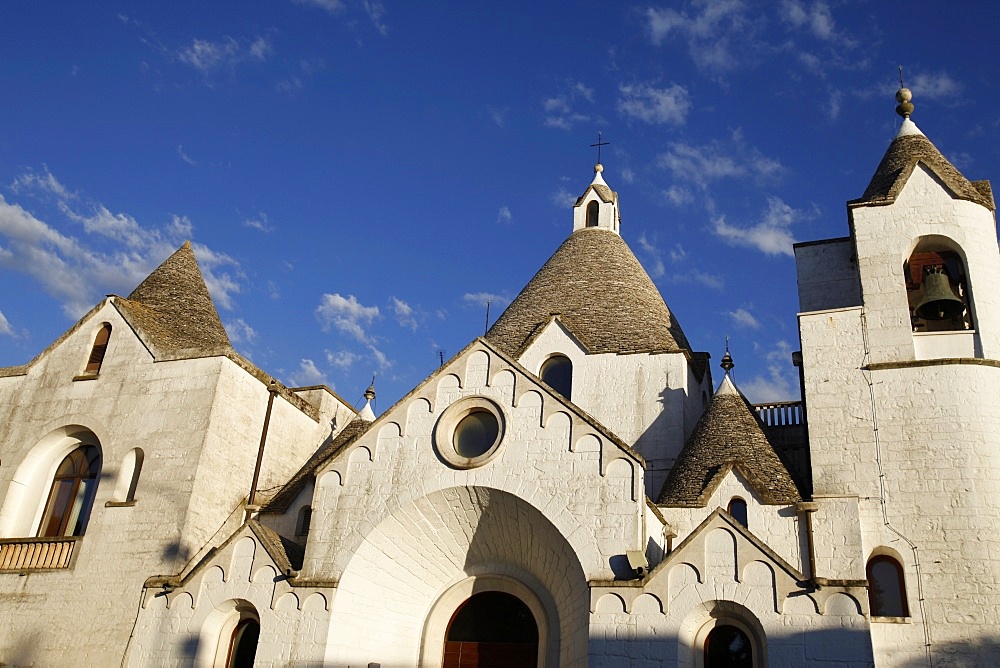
(476, 433)
(469, 432)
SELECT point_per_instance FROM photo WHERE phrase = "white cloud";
(342, 359)
(656, 106)
(781, 381)
(207, 56)
(5, 328)
(678, 195)
(716, 160)
(498, 116)
(383, 362)
(504, 216)
(240, 332)
(563, 198)
(627, 175)
(184, 156)
(935, 86)
(376, 12)
(709, 32)
(772, 235)
(307, 375)
(560, 111)
(114, 254)
(481, 299)
(347, 315)
(656, 267)
(260, 223)
(744, 318)
(331, 6)
(44, 182)
(690, 275)
(404, 313)
(816, 18)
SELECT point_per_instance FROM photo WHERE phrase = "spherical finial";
(370, 393)
(727, 362)
(598, 168)
(905, 107)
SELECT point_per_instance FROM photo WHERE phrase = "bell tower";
(597, 206)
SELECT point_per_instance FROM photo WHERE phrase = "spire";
(173, 309)
(366, 413)
(597, 207)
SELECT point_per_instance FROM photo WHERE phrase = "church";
(580, 486)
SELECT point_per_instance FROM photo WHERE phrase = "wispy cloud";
(504, 216)
(779, 384)
(561, 111)
(771, 235)
(712, 31)
(346, 315)
(679, 271)
(732, 158)
(240, 332)
(742, 317)
(342, 359)
(935, 86)
(816, 18)
(499, 115)
(403, 313)
(5, 328)
(331, 6)
(307, 375)
(209, 56)
(113, 254)
(563, 198)
(376, 13)
(481, 299)
(184, 156)
(656, 267)
(260, 223)
(656, 106)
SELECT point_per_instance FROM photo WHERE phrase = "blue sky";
(360, 176)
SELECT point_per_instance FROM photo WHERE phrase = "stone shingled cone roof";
(728, 435)
(906, 150)
(602, 295)
(173, 309)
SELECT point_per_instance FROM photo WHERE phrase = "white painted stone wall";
(188, 418)
(652, 402)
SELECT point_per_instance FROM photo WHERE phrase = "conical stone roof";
(908, 148)
(600, 292)
(173, 308)
(728, 435)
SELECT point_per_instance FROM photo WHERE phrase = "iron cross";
(599, 144)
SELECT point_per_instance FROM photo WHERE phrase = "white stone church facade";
(571, 489)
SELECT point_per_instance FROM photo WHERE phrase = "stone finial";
(598, 168)
(903, 97)
(366, 413)
(727, 362)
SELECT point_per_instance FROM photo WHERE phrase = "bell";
(939, 301)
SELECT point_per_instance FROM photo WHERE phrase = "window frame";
(874, 610)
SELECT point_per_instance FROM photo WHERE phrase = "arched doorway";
(243, 644)
(491, 629)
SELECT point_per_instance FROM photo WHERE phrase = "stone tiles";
(173, 308)
(602, 294)
(728, 435)
(898, 163)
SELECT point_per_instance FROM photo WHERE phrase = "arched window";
(303, 522)
(728, 646)
(886, 587)
(491, 628)
(738, 509)
(557, 373)
(592, 210)
(97, 352)
(71, 496)
(937, 288)
(243, 644)
(128, 476)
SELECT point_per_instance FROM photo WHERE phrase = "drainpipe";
(272, 391)
(807, 508)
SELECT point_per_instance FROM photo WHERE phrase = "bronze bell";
(939, 301)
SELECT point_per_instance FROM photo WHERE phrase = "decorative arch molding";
(535, 597)
(700, 621)
(25, 501)
(217, 630)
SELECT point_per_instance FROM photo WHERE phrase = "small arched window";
(304, 520)
(937, 288)
(243, 644)
(592, 210)
(96, 358)
(738, 509)
(886, 587)
(71, 496)
(728, 646)
(557, 373)
(128, 476)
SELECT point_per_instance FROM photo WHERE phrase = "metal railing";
(781, 413)
(36, 554)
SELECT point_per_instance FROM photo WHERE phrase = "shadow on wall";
(652, 440)
(22, 652)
